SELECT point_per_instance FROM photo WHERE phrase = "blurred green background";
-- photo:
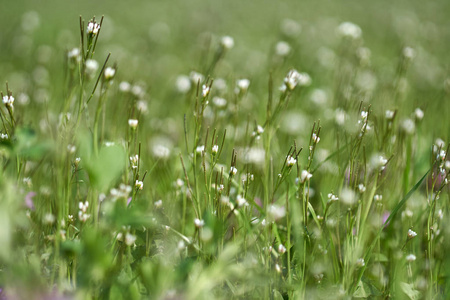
(155, 41)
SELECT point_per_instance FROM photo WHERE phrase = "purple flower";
(29, 200)
(129, 201)
(385, 216)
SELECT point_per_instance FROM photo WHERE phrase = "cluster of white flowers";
(291, 161)
(378, 198)
(360, 262)
(83, 216)
(200, 149)
(134, 160)
(361, 188)
(199, 223)
(3, 136)
(93, 28)
(241, 201)
(8, 100)
(294, 78)
(109, 73)
(410, 258)
(281, 249)
(411, 234)
(332, 197)
(161, 151)
(305, 176)
(315, 138)
(219, 102)
(139, 184)
(205, 90)
(196, 77)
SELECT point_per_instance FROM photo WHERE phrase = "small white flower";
(349, 30)
(241, 201)
(411, 234)
(109, 73)
(410, 258)
(199, 223)
(49, 218)
(409, 52)
(205, 90)
(347, 196)
(233, 171)
(74, 53)
(408, 126)
(129, 239)
(364, 115)
(278, 268)
(281, 249)
(3, 136)
(71, 148)
(378, 198)
(227, 42)
(133, 123)
(276, 212)
(332, 197)
(161, 151)
(290, 161)
(282, 48)
(91, 66)
(305, 175)
(292, 79)
(304, 79)
(134, 161)
(418, 113)
(219, 102)
(8, 100)
(183, 83)
(315, 138)
(77, 161)
(200, 149)
(196, 77)
(389, 114)
(361, 188)
(139, 184)
(215, 149)
(360, 262)
(158, 203)
(124, 86)
(259, 129)
(142, 106)
(243, 84)
(447, 163)
(93, 28)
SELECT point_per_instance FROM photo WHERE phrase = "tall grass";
(287, 189)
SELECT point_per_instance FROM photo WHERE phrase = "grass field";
(224, 149)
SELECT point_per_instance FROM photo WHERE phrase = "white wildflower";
(411, 234)
(199, 223)
(109, 73)
(205, 90)
(219, 102)
(158, 203)
(290, 161)
(281, 249)
(240, 201)
(91, 66)
(129, 239)
(349, 30)
(227, 42)
(305, 175)
(243, 85)
(93, 28)
(408, 126)
(215, 149)
(139, 184)
(161, 151)
(409, 52)
(8, 100)
(133, 123)
(389, 114)
(360, 262)
(361, 188)
(233, 171)
(347, 196)
(418, 113)
(410, 258)
(276, 212)
(124, 86)
(332, 197)
(134, 160)
(282, 48)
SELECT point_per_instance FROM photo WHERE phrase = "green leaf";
(409, 290)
